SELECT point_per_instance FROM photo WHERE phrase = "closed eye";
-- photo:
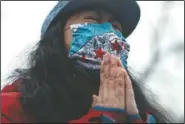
(92, 18)
(117, 27)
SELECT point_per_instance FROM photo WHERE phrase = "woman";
(79, 73)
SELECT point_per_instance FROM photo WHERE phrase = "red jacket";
(12, 112)
(11, 109)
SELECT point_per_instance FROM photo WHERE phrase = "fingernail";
(106, 57)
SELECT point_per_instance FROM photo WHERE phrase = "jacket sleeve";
(5, 119)
(11, 110)
(100, 114)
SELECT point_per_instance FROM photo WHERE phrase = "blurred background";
(157, 45)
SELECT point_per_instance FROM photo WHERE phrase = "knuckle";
(113, 62)
(106, 73)
(119, 81)
(114, 72)
(122, 72)
(110, 81)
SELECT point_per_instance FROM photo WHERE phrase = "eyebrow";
(113, 19)
(99, 13)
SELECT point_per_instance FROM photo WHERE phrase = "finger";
(113, 61)
(130, 98)
(113, 67)
(129, 89)
(119, 63)
(104, 77)
(104, 97)
(120, 90)
(103, 69)
(101, 78)
(116, 72)
(106, 61)
(106, 66)
(121, 97)
(111, 91)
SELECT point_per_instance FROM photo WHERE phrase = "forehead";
(96, 11)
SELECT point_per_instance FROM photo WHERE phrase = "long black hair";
(52, 90)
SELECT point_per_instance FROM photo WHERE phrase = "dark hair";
(49, 90)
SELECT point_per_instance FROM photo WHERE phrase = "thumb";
(95, 100)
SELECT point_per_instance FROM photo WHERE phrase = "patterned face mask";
(90, 42)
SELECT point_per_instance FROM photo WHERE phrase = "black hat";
(127, 11)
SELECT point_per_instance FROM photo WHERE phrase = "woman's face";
(90, 16)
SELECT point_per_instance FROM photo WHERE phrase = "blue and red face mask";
(91, 41)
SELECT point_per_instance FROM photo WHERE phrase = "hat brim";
(127, 11)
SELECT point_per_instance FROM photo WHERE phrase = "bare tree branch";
(158, 33)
